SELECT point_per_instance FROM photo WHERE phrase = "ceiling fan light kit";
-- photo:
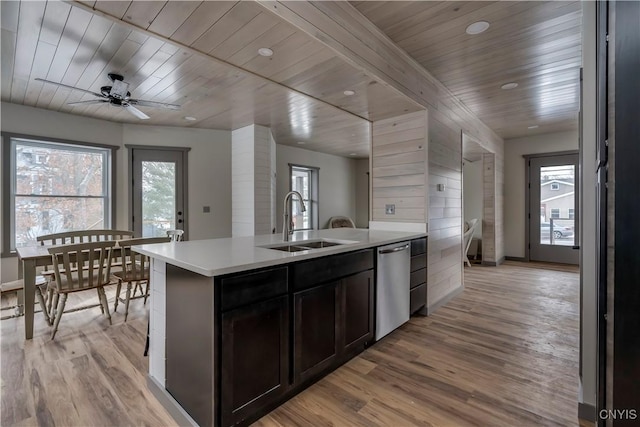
(118, 95)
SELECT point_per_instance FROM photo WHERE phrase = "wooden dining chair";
(73, 237)
(135, 270)
(83, 236)
(175, 235)
(80, 267)
(17, 286)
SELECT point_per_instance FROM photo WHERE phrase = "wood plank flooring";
(502, 353)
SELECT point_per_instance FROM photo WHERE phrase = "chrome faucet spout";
(287, 223)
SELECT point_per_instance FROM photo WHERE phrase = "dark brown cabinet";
(316, 329)
(241, 345)
(418, 277)
(333, 321)
(255, 360)
(358, 314)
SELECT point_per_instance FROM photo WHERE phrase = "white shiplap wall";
(253, 176)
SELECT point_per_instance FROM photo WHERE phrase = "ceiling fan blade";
(154, 104)
(133, 110)
(69, 87)
(89, 102)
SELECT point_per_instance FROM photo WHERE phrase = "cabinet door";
(255, 358)
(315, 330)
(357, 306)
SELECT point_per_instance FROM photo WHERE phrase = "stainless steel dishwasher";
(392, 289)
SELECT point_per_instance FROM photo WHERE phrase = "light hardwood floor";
(502, 353)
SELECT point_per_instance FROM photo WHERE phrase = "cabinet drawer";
(417, 298)
(418, 246)
(306, 274)
(246, 288)
(418, 262)
(418, 277)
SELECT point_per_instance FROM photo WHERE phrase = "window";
(555, 186)
(571, 213)
(304, 180)
(54, 187)
(555, 213)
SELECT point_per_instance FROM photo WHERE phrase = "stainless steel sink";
(289, 248)
(320, 244)
(306, 245)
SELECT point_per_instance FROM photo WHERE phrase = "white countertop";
(215, 257)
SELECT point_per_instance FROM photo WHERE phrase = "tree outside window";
(57, 188)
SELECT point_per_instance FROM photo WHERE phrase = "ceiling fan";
(117, 94)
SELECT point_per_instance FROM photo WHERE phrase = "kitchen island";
(239, 325)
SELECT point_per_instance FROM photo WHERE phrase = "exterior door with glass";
(159, 189)
(553, 216)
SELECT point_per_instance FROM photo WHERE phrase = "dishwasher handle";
(398, 249)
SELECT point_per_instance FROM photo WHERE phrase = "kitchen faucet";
(287, 224)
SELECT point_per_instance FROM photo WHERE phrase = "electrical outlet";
(390, 209)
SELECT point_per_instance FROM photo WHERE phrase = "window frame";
(314, 195)
(8, 180)
(571, 213)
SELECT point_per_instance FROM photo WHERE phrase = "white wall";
(337, 187)
(252, 181)
(473, 193)
(209, 163)
(588, 328)
(209, 175)
(514, 181)
(362, 193)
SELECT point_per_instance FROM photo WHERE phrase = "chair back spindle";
(82, 265)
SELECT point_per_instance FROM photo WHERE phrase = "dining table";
(31, 257)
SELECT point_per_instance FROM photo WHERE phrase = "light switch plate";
(206, 209)
(390, 209)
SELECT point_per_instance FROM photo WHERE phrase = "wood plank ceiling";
(535, 44)
(202, 55)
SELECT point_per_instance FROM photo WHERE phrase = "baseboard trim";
(169, 403)
(587, 412)
(516, 258)
(430, 309)
(493, 263)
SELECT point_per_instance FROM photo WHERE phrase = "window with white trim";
(304, 180)
(555, 186)
(555, 213)
(571, 213)
(54, 187)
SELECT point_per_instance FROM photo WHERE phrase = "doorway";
(158, 191)
(552, 215)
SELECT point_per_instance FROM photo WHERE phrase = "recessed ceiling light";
(190, 118)
(349, 92)
(352, 154)
(477, 27)
(301, 142)
(508, 86)
(533, 127)
(265, 51)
